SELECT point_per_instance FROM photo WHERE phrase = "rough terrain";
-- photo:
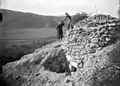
(93, 42)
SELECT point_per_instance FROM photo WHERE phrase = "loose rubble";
(94, 42)
(87, 43)
(91, 35)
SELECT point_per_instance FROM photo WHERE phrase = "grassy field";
(14, 43)
(25, 36)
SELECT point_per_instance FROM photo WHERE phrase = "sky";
(59, 7)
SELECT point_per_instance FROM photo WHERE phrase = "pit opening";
(58, 64)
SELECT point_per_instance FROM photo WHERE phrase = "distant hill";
(15, 19)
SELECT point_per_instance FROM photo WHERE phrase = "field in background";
(17, 42)
(25, 36)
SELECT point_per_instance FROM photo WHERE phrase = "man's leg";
(68, 26)
(57, 34)
(71, 25)
(61, 35)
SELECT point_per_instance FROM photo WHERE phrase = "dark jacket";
(60, 26)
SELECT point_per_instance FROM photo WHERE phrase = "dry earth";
(94, 42)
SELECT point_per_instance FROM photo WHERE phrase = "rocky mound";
(92, 34)
(94, 42)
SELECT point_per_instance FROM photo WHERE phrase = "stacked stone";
(91, 35)
(97, 20)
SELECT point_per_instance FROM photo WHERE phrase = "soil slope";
(93, 42)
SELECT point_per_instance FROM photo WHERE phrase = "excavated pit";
(56, 61)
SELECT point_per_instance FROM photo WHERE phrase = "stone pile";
(91, 35)
(97, 20)
(95, 42)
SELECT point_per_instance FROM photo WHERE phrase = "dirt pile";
(95, 42)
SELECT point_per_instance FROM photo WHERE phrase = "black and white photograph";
(59, 42)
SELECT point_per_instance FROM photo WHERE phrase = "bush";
(78, 17)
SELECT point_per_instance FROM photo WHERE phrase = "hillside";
(15, 19)
(94, 44)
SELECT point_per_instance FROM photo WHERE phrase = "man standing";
(60, 30)
(69, 21)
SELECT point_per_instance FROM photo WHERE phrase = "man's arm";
(65, 18)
